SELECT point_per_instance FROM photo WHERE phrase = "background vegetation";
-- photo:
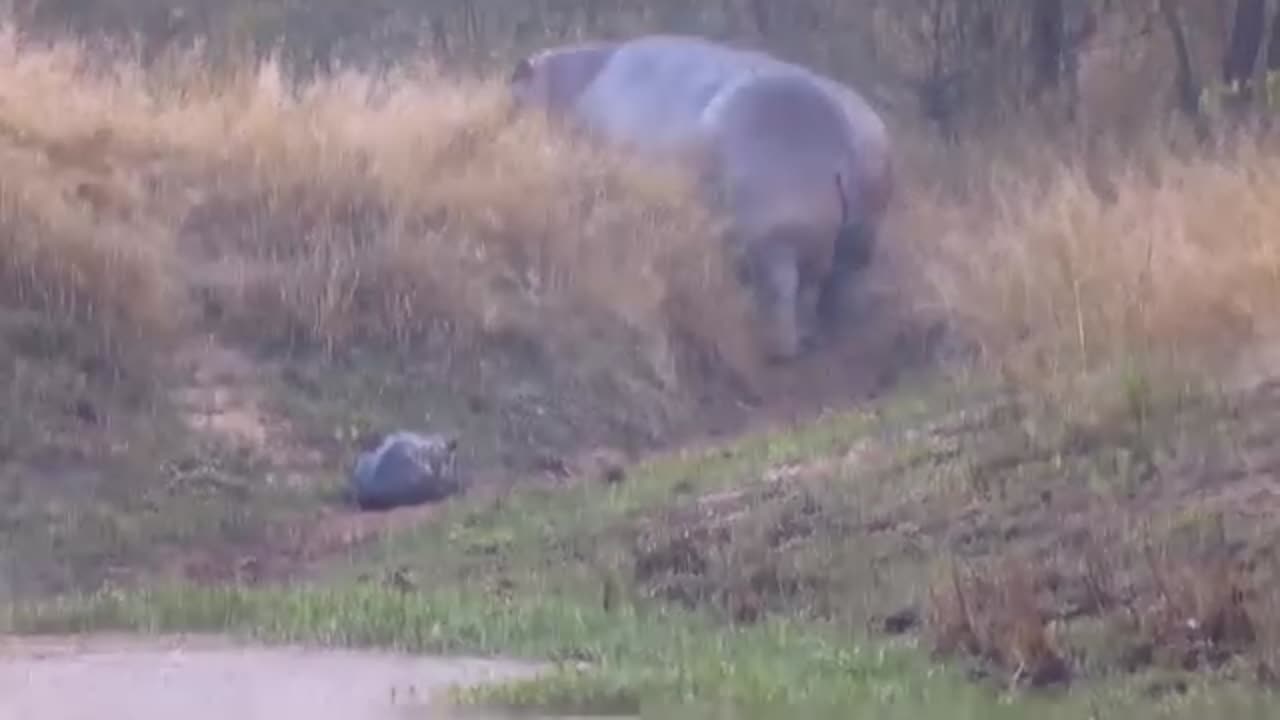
(238, 238)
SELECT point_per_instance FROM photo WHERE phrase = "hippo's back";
(655, 91)
(658, 90)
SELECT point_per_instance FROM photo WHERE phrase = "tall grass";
(402, 209)
(1067, 271)
(59, 257)
(413, 209)
(71, 243)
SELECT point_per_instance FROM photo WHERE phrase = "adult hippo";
(800, 162)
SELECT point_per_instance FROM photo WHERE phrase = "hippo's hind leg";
(853, 250)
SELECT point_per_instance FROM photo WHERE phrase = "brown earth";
(1037, 557)
(226, 394)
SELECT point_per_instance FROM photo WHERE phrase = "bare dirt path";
(225, 396)
(201, 678)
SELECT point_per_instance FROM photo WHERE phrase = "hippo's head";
(552, 79)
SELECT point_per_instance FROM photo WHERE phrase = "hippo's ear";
(522, 72)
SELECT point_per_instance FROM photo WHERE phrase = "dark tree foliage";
(960, 64)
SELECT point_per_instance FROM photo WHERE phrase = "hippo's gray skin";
(800, 162)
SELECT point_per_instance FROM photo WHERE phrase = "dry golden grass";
(432, 210)
(72, 246)
(401, 210)
(413, 208)
(997, 617)
(1067, 273)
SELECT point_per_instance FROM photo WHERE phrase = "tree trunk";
(1048, 43)
(1261, 59)
(760, 11)
(1188, 88)
(1248, 58)
(1246, 39)
(1273, 47)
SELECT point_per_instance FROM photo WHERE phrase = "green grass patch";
(647, 663)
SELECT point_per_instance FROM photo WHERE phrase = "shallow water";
(207, 678)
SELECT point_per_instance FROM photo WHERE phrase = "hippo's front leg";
(808, 298)
(781, 294)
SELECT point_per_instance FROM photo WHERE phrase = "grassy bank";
(900, 561)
